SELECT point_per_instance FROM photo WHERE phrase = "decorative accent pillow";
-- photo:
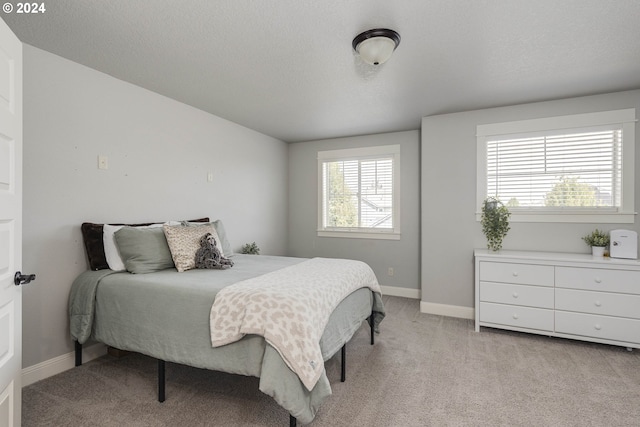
(184, 242)
(222, 234)
(92, 235)
(143, 250)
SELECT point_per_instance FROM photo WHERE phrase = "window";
(577, 168)
(358, 194)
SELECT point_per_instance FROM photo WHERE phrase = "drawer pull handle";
(598, 280)
(515, 295)
(515, 316)
(515, 274)
(598, 327)
(598, 303)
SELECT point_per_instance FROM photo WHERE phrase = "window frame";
(625, 214)
(361, 153)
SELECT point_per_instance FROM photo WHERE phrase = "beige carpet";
(424, 370)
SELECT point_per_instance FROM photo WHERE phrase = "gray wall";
(403, 255)
(450, 231)
(159, 151)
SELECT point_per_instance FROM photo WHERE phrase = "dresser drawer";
(524, 274)
(517, 316)
(602, 327)
(504, 293)
(596, 279)
(603, 303)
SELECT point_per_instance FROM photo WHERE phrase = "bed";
(165, 314)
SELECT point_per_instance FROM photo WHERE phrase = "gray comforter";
(166, 315)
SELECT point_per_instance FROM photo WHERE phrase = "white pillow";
(114, 260)
(110, 248)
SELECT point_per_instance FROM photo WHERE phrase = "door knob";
(23, 279)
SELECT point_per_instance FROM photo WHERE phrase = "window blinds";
(573, 168)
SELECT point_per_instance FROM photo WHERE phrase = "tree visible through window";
(343, 211)
(569, 191)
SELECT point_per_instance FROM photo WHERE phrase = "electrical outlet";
(390, 271)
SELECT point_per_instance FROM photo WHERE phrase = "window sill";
(359, 235)
(611, 218)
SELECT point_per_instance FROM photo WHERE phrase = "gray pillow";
(143, 250)
(222, 234)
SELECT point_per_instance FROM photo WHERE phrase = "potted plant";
(598, 240)
(251, 249)
(495, 222)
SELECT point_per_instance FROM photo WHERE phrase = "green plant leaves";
(495, 222)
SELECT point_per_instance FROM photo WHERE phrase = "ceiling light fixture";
(376, 46)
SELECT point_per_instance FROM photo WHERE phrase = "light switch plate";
(103, 162)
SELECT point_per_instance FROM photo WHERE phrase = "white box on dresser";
(566, 295)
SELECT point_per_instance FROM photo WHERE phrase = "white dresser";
(559, 294)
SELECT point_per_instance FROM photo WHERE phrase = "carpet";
(424, 370)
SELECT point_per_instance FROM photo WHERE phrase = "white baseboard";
(447, 310)
(400, 292)
(59, 364)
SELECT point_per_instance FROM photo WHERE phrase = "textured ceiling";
(286, 67)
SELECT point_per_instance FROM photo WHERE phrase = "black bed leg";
(161, 380)
(371, 321)
(343, 374)
(292, 421)
(78, 348)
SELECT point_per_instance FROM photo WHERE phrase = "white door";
(10, 226)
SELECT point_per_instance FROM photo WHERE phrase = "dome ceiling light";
(376, 46)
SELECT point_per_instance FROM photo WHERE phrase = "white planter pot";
(597, 251)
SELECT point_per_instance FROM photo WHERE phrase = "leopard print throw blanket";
(290, 308)
(208, 255)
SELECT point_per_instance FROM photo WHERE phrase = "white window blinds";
(570, 169)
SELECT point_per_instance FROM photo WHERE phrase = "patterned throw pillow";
(184, 243)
